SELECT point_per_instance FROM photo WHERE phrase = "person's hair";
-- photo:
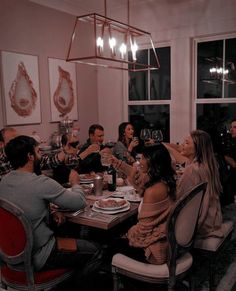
(160, 167)
(121, 132)
(64, 139)
(18, 148)
(3, 131)
(233, 120)
(93, 127)
(204, 155)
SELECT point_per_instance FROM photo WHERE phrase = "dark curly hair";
(159, 167)
(18, 148)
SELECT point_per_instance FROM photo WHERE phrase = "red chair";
(16, 241)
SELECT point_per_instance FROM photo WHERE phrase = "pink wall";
(26, 27)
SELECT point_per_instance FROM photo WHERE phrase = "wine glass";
(157, 136)
(145, 134)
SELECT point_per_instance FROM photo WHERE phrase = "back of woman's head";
(159, 167)
(18, 148)
(203, 145)
(205, 156)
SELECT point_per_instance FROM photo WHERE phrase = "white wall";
(26, 27)
(177, 22)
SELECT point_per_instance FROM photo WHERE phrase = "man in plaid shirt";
(67, 156)
(47, 162)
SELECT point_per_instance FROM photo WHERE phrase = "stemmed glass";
(157, 136)
(145, 134)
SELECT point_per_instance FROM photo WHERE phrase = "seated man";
(6, 134)
(92, 163)
(33, 194)
(230, 158)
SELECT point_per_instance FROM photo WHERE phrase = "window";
(215, 99)
(216, 61)
(152, 90)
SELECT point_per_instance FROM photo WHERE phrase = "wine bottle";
(111, 178)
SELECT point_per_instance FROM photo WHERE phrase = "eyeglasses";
(74, 144)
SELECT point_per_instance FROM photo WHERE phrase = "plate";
(45, 148)
(133, 198)
(94, 208)
(85, 178)
(125, 188)
(118, 194)
(113, 200)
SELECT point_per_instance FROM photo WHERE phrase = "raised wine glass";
(145, 134)
(157, 136)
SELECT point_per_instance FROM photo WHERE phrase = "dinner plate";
(133, 198)
(97, 206)
(118, 194)
(125, 188)
(94, 208)
(86, 179)
(45, 148)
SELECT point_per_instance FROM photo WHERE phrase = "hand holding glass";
(105, 158)
(145, 134)
(157, 136)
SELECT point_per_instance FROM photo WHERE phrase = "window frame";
(195, 100)
(127, 102)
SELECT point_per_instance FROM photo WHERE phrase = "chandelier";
(101, 41)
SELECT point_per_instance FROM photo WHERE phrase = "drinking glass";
(145, 134)
(157, 136)
(105, 159)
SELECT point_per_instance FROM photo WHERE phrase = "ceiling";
(80, 7)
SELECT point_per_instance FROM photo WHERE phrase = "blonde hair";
(204, 155)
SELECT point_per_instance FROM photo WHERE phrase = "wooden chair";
(181, 227)
(211, 249)
(16, 241)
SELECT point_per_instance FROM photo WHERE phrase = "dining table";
(105, 221)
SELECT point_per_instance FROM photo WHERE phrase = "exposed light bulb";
(134, 48)
(100, 43)
(123, 49)
(112, 43)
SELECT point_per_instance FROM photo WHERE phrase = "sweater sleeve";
(55, 193)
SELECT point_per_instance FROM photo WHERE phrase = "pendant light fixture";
(101, 41)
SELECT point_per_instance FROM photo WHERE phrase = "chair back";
(182, 225)
(16, 238)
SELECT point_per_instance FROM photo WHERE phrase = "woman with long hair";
(203, 167)
(125, 146)
(146, 241)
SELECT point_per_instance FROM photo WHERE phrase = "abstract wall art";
(21, 93)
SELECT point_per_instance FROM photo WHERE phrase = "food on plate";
(110, 203)
(88, 176)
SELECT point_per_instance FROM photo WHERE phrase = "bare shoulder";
(156, 193)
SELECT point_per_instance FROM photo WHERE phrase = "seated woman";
(202, 167)
(146, 241)
(124, 149)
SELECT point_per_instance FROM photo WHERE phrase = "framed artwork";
(63, 95)
(21, 88)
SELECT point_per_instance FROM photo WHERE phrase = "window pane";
(160, 79)
(230, 65)
(214, 119)
(151, 116)
(210, 58)
(138, 89)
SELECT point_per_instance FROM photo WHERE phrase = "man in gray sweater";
(33, 194)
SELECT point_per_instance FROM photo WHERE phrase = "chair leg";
(211, 274)
(115, 278)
